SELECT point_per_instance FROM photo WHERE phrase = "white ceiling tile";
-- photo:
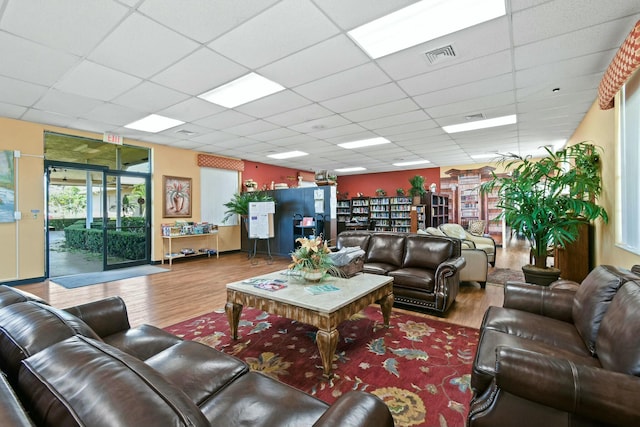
(82, 79)
(38, 116)
(382, 110)
(58, 24)
(223, 120)
(381, 94)
(188, 145)
(213, 137)
(91, 126)
(11, 111)
(150, 97)
(203, 20)
(471, 106)
(279, 102)
(311, 63)
(462, 93)
(320, 124)
(191, 109)
(66, 103)
(274, 135)
(349, 129)
(287, 27)
(353, 13)
(21, 93)
(200, 72)
(32, 62)
(397, 120)
(133, 47)
(249, 128)
(343, 83)
(113, 114)
(299, 115)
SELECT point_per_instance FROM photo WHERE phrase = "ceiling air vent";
(186, 132)
(477, 116)
(441, 54)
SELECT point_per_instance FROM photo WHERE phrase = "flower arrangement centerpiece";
(312, 258)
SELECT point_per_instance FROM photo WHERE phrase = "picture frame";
(176, 198)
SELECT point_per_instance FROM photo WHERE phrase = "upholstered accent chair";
(485, 243)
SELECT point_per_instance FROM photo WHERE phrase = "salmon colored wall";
(388, 181)
(599, 127)
(263, 174)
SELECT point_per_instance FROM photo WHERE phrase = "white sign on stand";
(261, 220)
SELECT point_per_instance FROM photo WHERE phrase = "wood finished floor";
(197, 286)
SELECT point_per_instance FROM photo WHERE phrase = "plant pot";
(312, 275)
(540, 276)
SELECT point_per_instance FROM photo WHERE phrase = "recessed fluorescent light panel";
(154, 123)
(481, 124)
(287, 155)
(411, 163)
(240, 91)
(364, 143)
(355, 169)
(485, 156)
(421, 22)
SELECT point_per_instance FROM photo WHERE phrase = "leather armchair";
(484, 243)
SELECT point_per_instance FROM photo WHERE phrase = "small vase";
(312, 275)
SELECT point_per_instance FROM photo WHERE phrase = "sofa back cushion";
(423, 251)
(617, 344)
(387, 248)
(83, 382)
(9, 295)
(348, 239)
(592, 299)
(29, 327)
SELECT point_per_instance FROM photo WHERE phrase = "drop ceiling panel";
(274, 135)
(200, 72)
(381, 94)
(112, 114)
(32, 62)
(39, 116)
(503, 101)
(191, 109)
(203, 20)
(277, 103)
(21, 93)
(349, 129)
(350, 81)
(311, 63)
(151, 97)
(11, 111)
(58, 24)
(268, 37)
(560, 17)
(382, 110)
(353, 13)
(320, 124)
(397, 120)
(299, 115)
(66, 103)
(462, 93)
(133, 47)
(82, 79)
(249, 128)
(226, 119)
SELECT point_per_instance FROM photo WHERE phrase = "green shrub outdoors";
(127, 243)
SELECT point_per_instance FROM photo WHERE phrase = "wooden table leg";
(233, 316)
(386, 304)
(327, 342)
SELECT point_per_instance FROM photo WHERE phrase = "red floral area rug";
(420, 367)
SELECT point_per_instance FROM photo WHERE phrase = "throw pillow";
(476, 227)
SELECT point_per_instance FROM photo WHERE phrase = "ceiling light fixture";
(481, 124)
(287, 155)
(240, 91)
(364, 143)
(354, 169)
(412, 162)
(154, 123)
(485, 156)
(421, 22)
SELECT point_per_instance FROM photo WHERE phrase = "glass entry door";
(127, 221)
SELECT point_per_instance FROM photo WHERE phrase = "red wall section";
(367, 184)
(263, 174)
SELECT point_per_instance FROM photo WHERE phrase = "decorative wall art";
(177, 197)
(7, 187)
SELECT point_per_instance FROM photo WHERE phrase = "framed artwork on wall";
(7, 186)
(176, 201)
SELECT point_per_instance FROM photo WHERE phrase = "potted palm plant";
(239, 203)
(417, 188)
(546, 200)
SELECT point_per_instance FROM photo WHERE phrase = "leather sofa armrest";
(607, 396)
(106, 317)
(357, 409)
(554, 303)
(450, 266)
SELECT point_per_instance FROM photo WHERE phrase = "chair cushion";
(592, 299)
(617, 344)
(426, 251)
(84, 382)
(454, 230)
(476, 227)
(386, 248)
(435, 231)
(353, 238)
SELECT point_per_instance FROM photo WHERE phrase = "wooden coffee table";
(324, 311)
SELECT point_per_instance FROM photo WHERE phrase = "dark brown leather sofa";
(85, 366)
(425, 269)
(561, 356)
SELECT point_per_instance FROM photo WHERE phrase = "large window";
(628, 233)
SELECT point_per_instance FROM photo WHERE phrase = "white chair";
(487, 244)
(477, 263)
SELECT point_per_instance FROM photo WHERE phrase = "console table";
(167, 245)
